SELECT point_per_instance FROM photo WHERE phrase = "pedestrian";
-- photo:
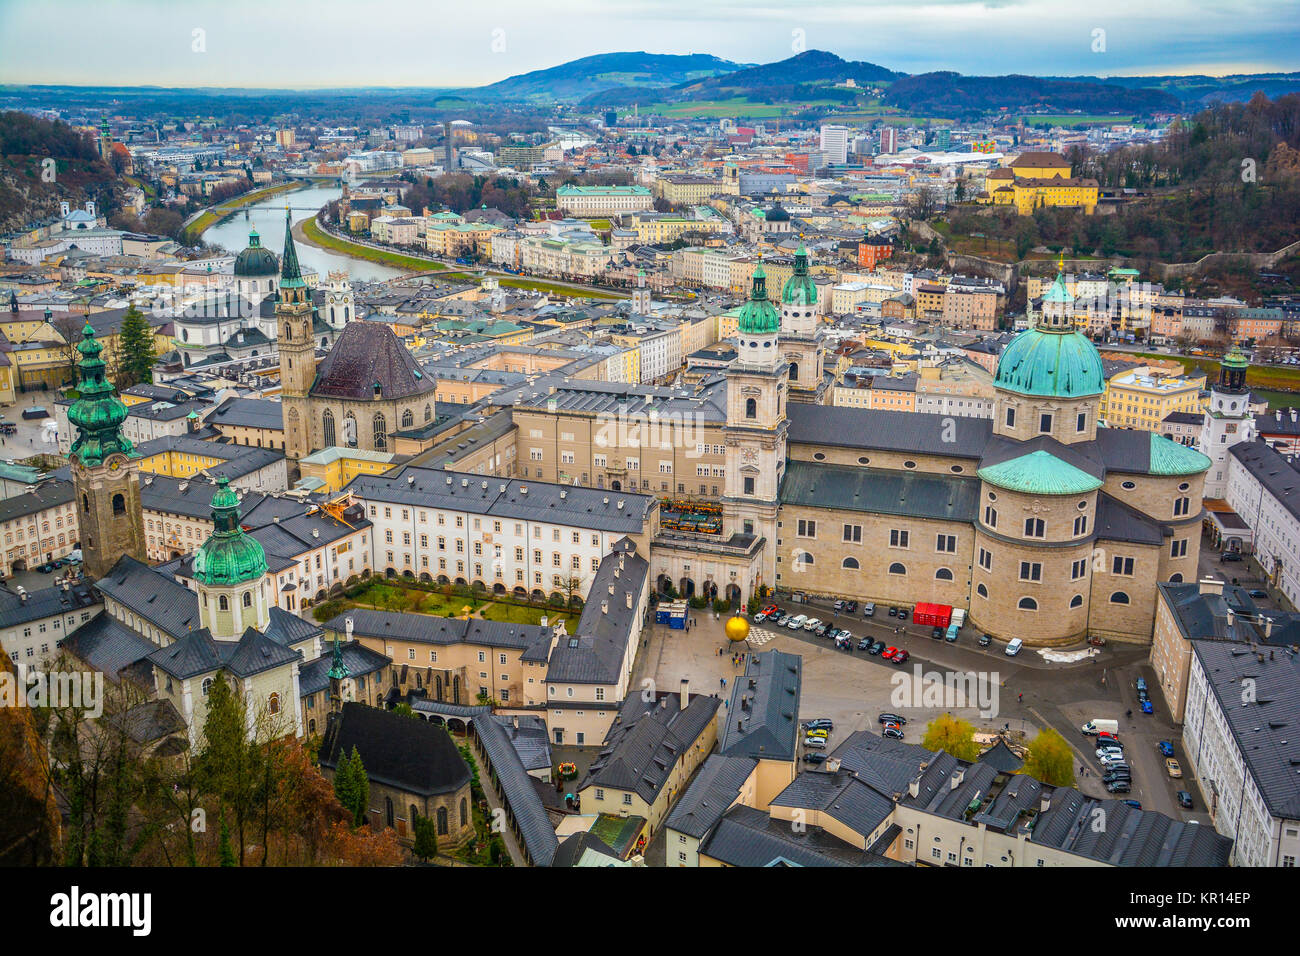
(1020, 698)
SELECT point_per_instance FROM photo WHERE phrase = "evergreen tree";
(135, 350)
(352, 786)
(426, 839)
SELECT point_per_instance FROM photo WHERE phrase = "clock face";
(749, 454)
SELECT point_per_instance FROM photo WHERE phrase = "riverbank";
(215, 214)
(310, 232)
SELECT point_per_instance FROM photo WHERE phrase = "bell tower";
(293, 319)
(230, 571)
(801, 333)
(1227, 420)
(105, 469)
(757, 393)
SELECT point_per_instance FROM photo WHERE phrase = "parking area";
(29, 433)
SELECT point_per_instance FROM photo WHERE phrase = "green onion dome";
(230, 556)
(759, 316)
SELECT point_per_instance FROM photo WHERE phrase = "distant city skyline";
(435, 43)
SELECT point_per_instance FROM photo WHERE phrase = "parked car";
(1110, 752)
(1119, 775)
(782, 619)
(811, 624)
(1184, 799)
(868, 610)
(1118, 786)
(1110, 760)
(1230, 556)
(954, 630)
(1134, 804)
(936, 633)
(1146, 707)
(1013, 648)
(821, 629)
(876, 648)
(822, 722)
(1166, 748)
(1257, 593)
(866, 644)
(814, 743)
(796, 622)
(901, 657)
(893, 612)
(851, 607)
(1173, 768)
(821, 732)
(890, 652)
(891, 719)
(985, 640)
(892, 732)
(839, 606)
(814, 757)
(902, 614)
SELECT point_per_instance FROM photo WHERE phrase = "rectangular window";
(1045, 422)
(1081, 423)
(946, 544)
(853, 533)
(897, 538)
(1031, 571)
(1034, 528)
(1121, 565)
(807, 529)
(1011, 418)
(986, 560)
(1178, 549)
(1081, 525)
(1078, 569)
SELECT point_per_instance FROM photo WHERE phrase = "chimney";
(543, 621)
(1231, 617)
(1211, 586)
(604, 607)
(1268, 628)
(628, 597)
(833, 765)
(347, 628)
(914, 788)
(957, 777)
(1045, 803)
(685, 692)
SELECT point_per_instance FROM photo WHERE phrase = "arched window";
(464, 812)
(223, 603)
(428, 413)
(794, 371)
(850, 563)
(380, 432)
(85, 504)
(408, 419)
(751, 408)
(119, 505)
(943, 574)
(1076, 601)
(1028, 604)
(388, 810)
(350, 430)
(897, 568)
(248, 599)
(442, 821)
(273, 704)
(207, 685)
(802, 558)
(982, 591)
(1176, 579)
(1119, 597)
(327, 427)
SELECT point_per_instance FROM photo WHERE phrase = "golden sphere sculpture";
(737, 629)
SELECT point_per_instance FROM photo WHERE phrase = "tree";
(352, 787)
(1050, 759)
(952, 735)
(426, 838)
(135, 348)
(226, 763)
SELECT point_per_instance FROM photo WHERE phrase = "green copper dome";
(230, 556)
(1235, 358)
(1057, 362)
(98, 413)
(256, 261)
(758, 316)
(1040, 473)
(800, 289)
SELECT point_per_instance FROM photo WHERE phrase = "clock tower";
(105, 468)
(757, 395)
(293, 318)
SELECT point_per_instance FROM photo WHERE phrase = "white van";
(797, 622)
(1014, 647)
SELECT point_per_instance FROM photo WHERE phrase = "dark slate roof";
(248, 413)
(841, 795)
(200, 653)
(529, 737)
(646, 739)
(150, 721)
(1280, 477)
(1081, 455)
(520, 795)
(313, 677)
(1230, 616)
(168, 606)
(427, 629)
(596, 651)
(881, 491)
(44, 603)
(576, 844)
(408, 754)
(289, 629)
(1265, 729)
(710, 794)
(919, 432)
(366, 355)
(750, 838)
(762, 719)
(104, 644)
(1117, 521)
(190, 497)
(1001, 758)
(595, 508)
(48, 494)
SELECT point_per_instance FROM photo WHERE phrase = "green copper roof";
(1057, 362)
(98, 413)
(230, 556)
(758, 316)
(1170, 458)
(1040, 473)
(1235, 358)
(290, 271)
(799, 288)
(1058, 292)
(338, 670)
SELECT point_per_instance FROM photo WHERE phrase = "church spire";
(97, 413)
(290, 271)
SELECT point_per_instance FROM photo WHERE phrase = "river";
(267, 217)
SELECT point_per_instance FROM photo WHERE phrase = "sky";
(452, 43)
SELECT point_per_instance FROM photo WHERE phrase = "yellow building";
(1034, 180)
(334, 467)
(1142, 398)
